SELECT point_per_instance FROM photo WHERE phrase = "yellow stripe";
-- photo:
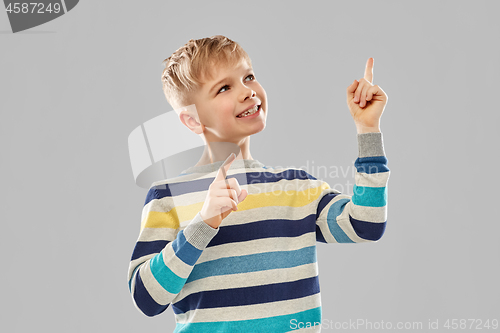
(159, 220)
(291, 198)
(172, 218)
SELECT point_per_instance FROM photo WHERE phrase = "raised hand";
(223, 196)
(366, 101)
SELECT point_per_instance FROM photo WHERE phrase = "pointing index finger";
(221, 174)
(222, 171)
(369, 70)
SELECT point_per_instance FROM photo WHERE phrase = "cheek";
(225, 110)
(261, 92)
(220, 115)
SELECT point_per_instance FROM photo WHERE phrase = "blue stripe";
(325, 200)
(253, 263)
(197, 185)
(335, 210)
(270, 177)
(319, 235)
(263, 229)
(170, 281)
(144, 301)
(373, 164)
(248, 295)
(145, 248)
(152, 194)
(185, 250)
(369, 196)
(368, 230)
(278, 324)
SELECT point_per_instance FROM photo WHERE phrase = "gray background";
(74, 88)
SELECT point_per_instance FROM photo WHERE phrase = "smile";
(249, 112)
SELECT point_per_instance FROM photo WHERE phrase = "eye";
(223, 88)
(220, 90)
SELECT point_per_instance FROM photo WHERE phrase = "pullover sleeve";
(362, 217)
(164, 255)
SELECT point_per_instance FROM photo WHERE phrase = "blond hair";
(195, 61)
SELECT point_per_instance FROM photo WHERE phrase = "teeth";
(249, 112)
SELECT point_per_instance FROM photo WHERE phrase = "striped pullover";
(257, 272)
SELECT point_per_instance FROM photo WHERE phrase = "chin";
(261, 127)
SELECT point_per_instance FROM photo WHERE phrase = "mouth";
(249, 112)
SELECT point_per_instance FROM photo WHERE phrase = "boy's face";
(229, 93)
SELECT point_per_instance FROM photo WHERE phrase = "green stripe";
(170, 281)
(278, 324)
(369, 196)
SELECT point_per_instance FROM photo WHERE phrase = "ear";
(191, 122)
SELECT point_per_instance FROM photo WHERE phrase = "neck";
(219, 151)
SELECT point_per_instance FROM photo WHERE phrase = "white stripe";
(254, 311)
(369, 214)
(154, 234)
(249, 279)
(372, 180)
(257, 246)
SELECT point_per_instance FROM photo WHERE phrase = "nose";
(250, 93)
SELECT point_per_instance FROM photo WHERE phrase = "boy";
(244, 260)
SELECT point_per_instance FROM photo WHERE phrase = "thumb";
(243, 195)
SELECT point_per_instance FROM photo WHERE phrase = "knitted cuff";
(370, 144)
(198, 233)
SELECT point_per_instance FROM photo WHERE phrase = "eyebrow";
(224, 79)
